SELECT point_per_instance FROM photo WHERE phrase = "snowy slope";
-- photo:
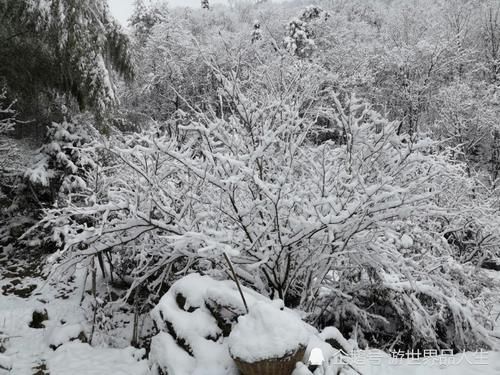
(27, 349)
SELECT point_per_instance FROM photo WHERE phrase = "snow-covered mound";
(5, 362)
(195, 317)
(267, 331)
(66, 333)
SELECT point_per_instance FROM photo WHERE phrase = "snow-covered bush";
(312, 12)
(298, 40)
(61, 164)
(344, 231)
(62, 168)
(300, 34)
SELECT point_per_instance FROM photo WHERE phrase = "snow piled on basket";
(267, 331)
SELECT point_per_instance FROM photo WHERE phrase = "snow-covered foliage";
(7, 147)
(46, 177)
(299, 39)
(7, 121)
(79, 40)
(322, 226)
(300, 34)
(7, 113)
(342, 158)
(63, 163)
(64, 158)
(145, 16)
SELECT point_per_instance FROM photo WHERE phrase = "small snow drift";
(5, 362)
(66, 333)
(82, 359)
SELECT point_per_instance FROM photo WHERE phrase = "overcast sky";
(122, 9)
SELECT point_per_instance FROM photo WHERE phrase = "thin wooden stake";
(236, 280)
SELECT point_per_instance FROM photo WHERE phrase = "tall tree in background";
(145, 16)
(61, 48)
(490, 36)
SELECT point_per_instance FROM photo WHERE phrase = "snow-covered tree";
(298, 40)
(144, 18)
(68, 46)
(466, 118)
(63, 160)
(300, 35)
(489, 21)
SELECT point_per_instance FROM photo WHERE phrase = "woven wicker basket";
(272, 366)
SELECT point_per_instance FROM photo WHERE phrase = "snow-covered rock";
(63, 334)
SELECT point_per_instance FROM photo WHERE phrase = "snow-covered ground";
(374, 362)
(27, 349)
(53, 346)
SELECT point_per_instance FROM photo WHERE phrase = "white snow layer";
(5, 362)
(267, 332)
(64, 334)
(406, 241)
(28, 348)
(332, 333)
(82, 359)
